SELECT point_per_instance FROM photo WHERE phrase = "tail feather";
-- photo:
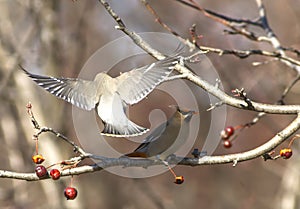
(129, 131)
(137, 154)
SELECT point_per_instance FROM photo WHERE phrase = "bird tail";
(130, 130)
(136, 154)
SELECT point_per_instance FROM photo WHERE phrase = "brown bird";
(167, 138)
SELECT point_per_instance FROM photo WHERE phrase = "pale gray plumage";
(110, 96)
(167, 138)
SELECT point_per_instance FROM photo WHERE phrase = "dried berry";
(38, 159)
(29, 106)
(179, 180)
(286, 153)
(70, 193)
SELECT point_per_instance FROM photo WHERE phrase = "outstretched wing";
(135, 85)
(80, 93)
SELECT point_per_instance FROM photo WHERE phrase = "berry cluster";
(40, 170)
(229, 131)
(286, 153)
(226, 135)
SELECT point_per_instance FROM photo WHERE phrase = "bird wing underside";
(136, 84)
(80, 93)
(131, 129)
(116, 123)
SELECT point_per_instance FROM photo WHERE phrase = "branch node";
(194, 58)
(117, 27)
(213, 106)
(218, 81)
(243, 95)
(235, 162)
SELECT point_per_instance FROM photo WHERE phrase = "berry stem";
(171, 170)
(297, 136)
(239, 127)
(53, 165)
(36, 146)
(71, 181)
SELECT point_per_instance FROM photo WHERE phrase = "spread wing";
(80, 93)
(135, 85)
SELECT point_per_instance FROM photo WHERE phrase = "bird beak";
(183, 109)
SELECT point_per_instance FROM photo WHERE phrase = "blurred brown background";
(57, 37)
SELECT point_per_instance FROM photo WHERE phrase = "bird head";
(185, 113)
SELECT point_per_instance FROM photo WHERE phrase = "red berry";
(227, 144)
(38, 159)
(227, 132)
(55, 174)
(179, 180)
(41, 171)
(70, 193)
(286, 153)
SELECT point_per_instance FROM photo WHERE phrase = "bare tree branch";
(206, 160)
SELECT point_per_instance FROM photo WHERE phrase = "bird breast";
(106, 84)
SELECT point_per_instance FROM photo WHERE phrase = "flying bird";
(111, 96)
(167, 138)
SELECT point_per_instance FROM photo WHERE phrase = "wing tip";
(34, 77)
(24, 70)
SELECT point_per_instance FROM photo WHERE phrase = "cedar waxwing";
(110, 96)
(167, 138)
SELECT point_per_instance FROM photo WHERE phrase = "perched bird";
(111, 96)
(167, 138)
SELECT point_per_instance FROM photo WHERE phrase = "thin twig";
(159, 20)
(225, 21)
(134, 36)
(241, 29)
(288, 88)
(46, 129)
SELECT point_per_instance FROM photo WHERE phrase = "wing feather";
(135, 85)
(80, 93)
